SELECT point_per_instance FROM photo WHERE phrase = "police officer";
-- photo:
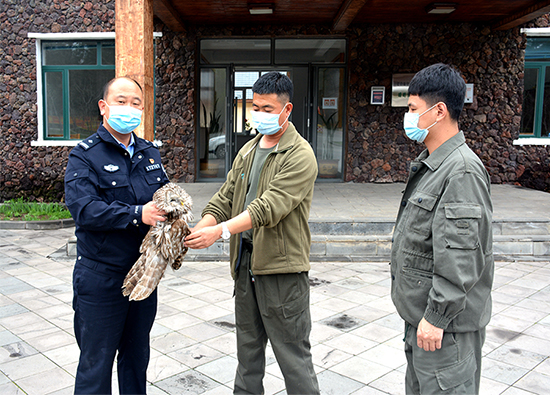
(109, 183)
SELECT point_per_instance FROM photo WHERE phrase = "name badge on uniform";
(156, 166)
(111, 168)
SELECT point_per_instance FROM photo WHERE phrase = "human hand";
(428, 336)
(203, 238)
(150, 214)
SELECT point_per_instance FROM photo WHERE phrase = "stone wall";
(377, 150)
(35, 172)
(175, 103)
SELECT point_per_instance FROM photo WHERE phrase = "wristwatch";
(226, 234)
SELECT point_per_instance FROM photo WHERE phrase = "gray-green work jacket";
(442, 257)
(280, 213)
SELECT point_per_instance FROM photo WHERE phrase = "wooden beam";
(135, 54)
(519, 18)
(165, 11)
(347, 13)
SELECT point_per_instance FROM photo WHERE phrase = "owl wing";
(167, 247)
(154, 270)
(148, 245)
(177, 250)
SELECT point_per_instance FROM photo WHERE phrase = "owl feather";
(162, 245)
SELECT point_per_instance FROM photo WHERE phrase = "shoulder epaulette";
(89, 142)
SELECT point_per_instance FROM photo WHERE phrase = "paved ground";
(367, 202)
(357, 336)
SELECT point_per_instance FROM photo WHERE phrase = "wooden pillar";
(135, 54)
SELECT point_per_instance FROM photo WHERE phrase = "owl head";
(174, 201)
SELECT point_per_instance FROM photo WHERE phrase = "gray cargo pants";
(274, 307)
(453, 369)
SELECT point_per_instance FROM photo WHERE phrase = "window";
(246, 51)
(73, 75)
(71, 70)
(535, 121)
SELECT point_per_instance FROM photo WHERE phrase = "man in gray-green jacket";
(263, 208)
(442, 259)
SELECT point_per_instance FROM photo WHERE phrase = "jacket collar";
(287, 141)
(437, 157)
(105, 135)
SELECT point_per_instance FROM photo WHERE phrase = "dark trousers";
(453, 369)
(105, 323)
(275, 308)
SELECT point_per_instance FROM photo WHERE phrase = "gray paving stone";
(6, 337)
(336, 384)
(11, 352)
(188, 382)
(12, 309)
(11, 285)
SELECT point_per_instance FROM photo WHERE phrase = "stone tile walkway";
(356, 336)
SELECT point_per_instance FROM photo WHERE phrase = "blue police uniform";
(105, 190)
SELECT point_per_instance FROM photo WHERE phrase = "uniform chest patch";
(156, 166)
(111, 168)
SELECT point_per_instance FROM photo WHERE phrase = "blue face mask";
(267, 123)
(410, 124)
(124, 119)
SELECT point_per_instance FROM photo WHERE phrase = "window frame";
(539, 96)
(41, 140)
(540, 65)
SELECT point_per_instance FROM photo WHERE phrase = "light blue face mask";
(267, 123)
(410, 124)
(124, 119)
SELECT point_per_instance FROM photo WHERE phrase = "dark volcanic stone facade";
(35, 172)
(377, 150)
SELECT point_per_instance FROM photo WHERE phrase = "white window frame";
(534, 32)
(39, 37)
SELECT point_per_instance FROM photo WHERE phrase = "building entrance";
(226, 102)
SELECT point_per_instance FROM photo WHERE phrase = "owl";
(163, 243)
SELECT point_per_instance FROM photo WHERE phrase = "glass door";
(212, 116)
(225, 112)
(242, 106)
(330, 111)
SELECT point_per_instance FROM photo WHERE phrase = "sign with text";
(377, 94)
(469, 94)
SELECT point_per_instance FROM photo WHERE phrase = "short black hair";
(107, 86)
(274, 82)
(440, 83)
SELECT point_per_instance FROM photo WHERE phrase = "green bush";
(19, 210)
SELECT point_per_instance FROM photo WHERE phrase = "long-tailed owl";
(163, 243)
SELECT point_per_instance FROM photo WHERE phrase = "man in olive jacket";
(442, 258)
(263, 208)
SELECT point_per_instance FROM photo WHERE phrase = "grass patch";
(19, 210)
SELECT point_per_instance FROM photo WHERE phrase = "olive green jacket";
(442, 257)
(280, 212)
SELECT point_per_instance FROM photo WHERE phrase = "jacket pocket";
(421, 213)
(462, 226)
(154, 179)
(458, 374)
(114, 187)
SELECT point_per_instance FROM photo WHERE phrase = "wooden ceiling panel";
(340, 13)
